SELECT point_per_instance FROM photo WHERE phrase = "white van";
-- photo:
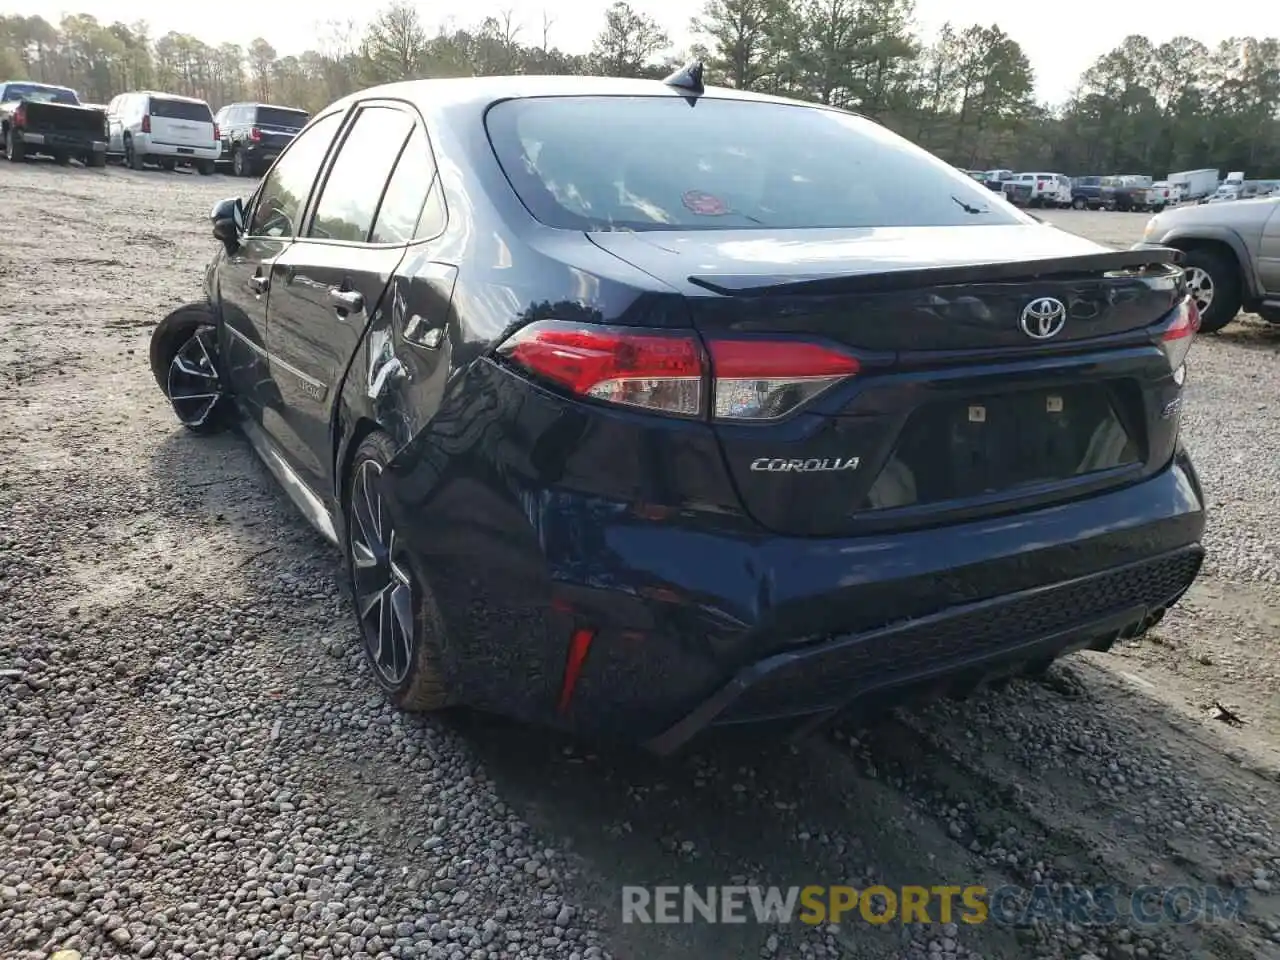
(164, 128)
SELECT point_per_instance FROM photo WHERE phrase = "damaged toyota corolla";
(640, 408)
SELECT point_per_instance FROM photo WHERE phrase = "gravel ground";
(194, 764)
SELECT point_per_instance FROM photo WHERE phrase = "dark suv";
(253, 134)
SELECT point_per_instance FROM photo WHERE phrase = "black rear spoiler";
(891, 280)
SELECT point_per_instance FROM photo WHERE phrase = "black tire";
(1079, 203)
(239, 165)
(95, 159)
(417, 684)
(61, 158)
(14, 149)
(132, 159)
(169, 164)
(1224, 273)
(206, 167)
(175, 334)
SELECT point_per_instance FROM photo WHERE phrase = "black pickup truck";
(40, 118)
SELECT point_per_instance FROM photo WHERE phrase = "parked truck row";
(1124, 192)
(142, 128)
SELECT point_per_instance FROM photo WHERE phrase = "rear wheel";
(132, 158)
(184, 362)
(399, 624)
(206, 167)
(95, 159)
(62, 158)
(1079, 203)
(239, 165)
(14, 149)
(1213, 280)
(168, 163)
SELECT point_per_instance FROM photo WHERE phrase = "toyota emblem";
(1043, 318)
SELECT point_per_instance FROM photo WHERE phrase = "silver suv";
(1232, 256)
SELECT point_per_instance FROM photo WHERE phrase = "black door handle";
(258, 283)
(346, 301)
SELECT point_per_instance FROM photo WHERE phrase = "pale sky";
(1061, 41)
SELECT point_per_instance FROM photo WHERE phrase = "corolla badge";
(817, 465)
(1043, 318)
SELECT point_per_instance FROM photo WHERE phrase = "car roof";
(481, 91)
(258, 103)
(169, 96)
(36, 83)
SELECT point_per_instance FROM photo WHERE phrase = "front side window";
(285, 190)
(349, 198)
(659, 163)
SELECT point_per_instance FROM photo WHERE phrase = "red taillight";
(1039, 184)
(763, 379)
(146, 123)
(217, 132)
(1179, 333)
(20, 116)
(652, 369)
(255, 133)
(668, 372)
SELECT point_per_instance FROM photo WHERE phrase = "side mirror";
(228, 222)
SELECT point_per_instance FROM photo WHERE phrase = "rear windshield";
(657, 163)
(180, 110)
(37, 91)
(282, 117)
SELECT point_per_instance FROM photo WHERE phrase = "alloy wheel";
(382, 585)
(194, 386)
(1200, 286)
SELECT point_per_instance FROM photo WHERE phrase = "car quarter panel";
(1269, 254)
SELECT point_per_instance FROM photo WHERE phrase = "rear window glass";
(655, 163)
(180, 110)
(36, 91)
(282, 117)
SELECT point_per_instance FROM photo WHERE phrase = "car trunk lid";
(277, 127)
(182, 122)
(999, 366)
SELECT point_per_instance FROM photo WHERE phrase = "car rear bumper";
(153, 148)
(954, 648)
(59, 140)
(701, 619)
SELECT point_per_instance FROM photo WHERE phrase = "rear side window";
(281, 117)
(356, 180)
(654, 163)
(407, 189)
(180, 110)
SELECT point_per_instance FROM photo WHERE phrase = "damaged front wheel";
(184, 362)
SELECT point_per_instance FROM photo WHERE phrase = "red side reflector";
(579, 646)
